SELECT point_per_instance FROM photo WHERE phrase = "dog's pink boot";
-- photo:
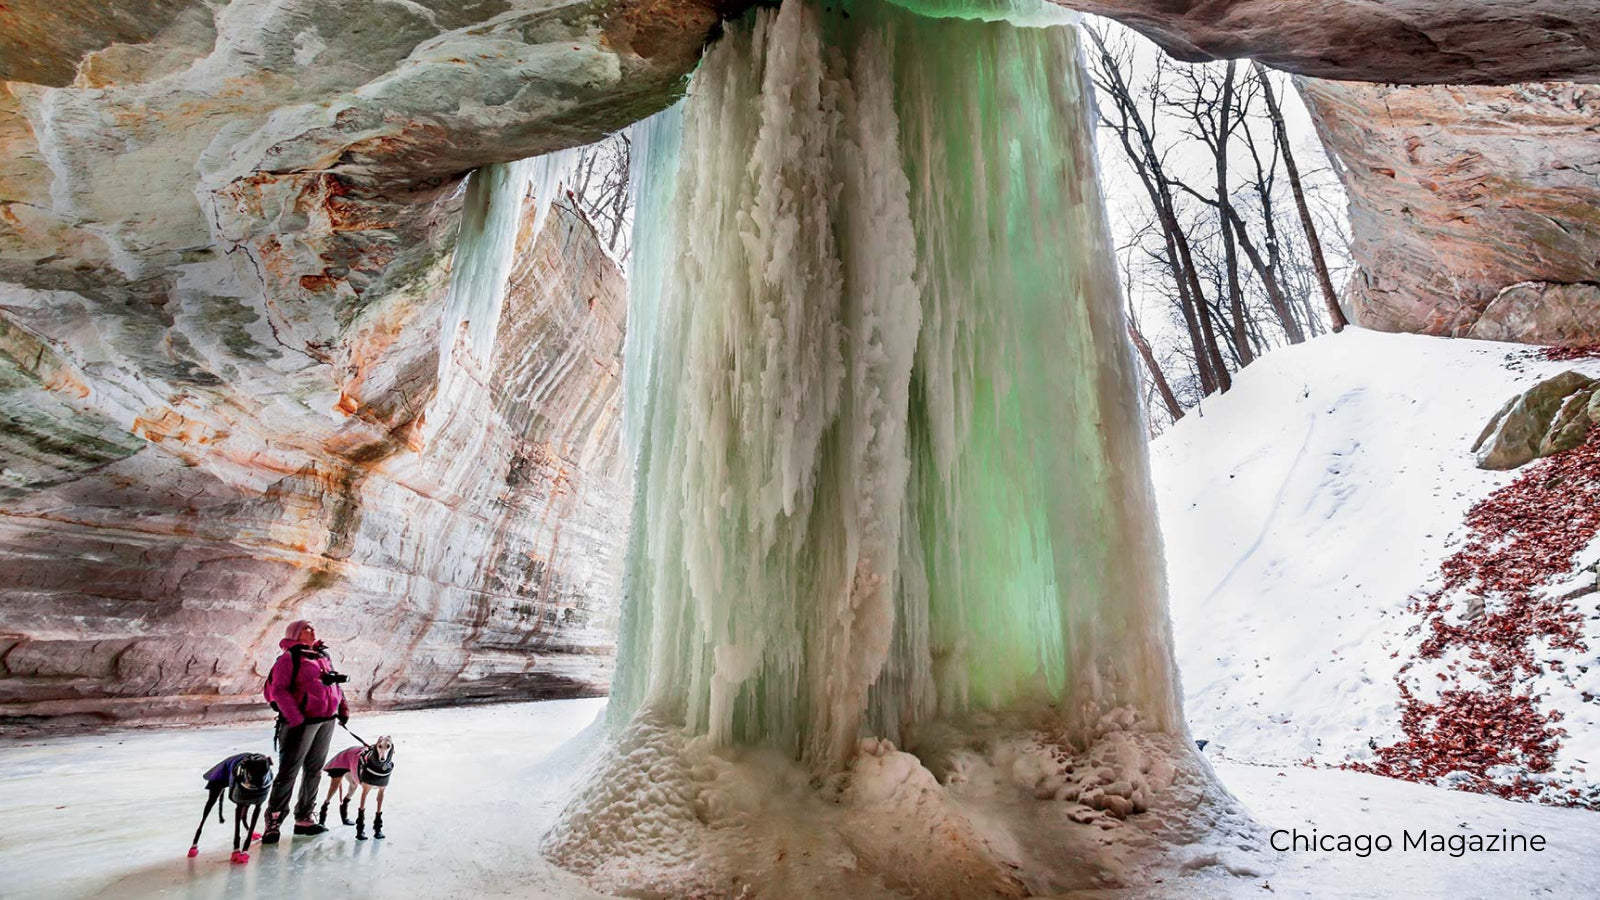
(193, 852)
(256, 836)
(239, 856)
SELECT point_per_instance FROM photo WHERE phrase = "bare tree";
(1209, 149)
(1269, 269)
(598, 191)
(1133, 129)
(1335, 314)
(1213, 114)
(1157, 377)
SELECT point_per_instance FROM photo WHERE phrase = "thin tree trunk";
(1230, 254)
(1167, 396)
(1274, 255)
(1280, 306)
(1313, 321)
(1191, 321)
(1207, 329)
(1335, 314)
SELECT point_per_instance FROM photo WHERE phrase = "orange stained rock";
(159, 425)
(61, 381)
(410, 434)
(320, 282)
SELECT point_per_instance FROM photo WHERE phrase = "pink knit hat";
(292, 633)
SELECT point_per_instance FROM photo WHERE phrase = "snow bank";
(1302, 510)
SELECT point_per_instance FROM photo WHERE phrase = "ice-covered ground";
(111, 816)
(1300, 512)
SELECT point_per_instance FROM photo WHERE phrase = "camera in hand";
(334, 678)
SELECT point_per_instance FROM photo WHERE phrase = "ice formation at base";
(1003, 807)
(892, 484)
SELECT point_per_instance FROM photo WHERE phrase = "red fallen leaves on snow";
(1520, 538)
(1567, 354)
(1472, 732)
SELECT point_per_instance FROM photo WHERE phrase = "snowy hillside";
(1303, 510)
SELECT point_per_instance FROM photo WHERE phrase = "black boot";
(344, 811)
(377, 826)
(308, 830)
(361, 824)
(270, 836)
(322, 814)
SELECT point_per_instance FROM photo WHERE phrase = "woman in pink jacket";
(304, 688)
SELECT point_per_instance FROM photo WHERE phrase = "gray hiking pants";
(302, 752)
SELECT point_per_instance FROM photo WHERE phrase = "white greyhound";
(367, 766)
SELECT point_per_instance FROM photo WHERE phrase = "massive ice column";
(892, 476)
(891, 465)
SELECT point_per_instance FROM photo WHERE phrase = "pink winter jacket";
(307, 699)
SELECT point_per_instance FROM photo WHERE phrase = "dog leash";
(354, 735)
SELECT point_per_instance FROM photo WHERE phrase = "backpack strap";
(294, 679)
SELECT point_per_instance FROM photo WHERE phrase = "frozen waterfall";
(485, 252)
(892, 478)
(891, 464)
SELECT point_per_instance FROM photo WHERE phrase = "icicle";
(652, 178)
(491, 217)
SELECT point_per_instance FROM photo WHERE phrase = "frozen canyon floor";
(110, 815)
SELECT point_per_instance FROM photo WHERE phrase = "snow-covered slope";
(1303, 509)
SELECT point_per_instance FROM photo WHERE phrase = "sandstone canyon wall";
(149, 570)
(1385, 41)
(1388, 41)
(1475, 211)
(1467, 133)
